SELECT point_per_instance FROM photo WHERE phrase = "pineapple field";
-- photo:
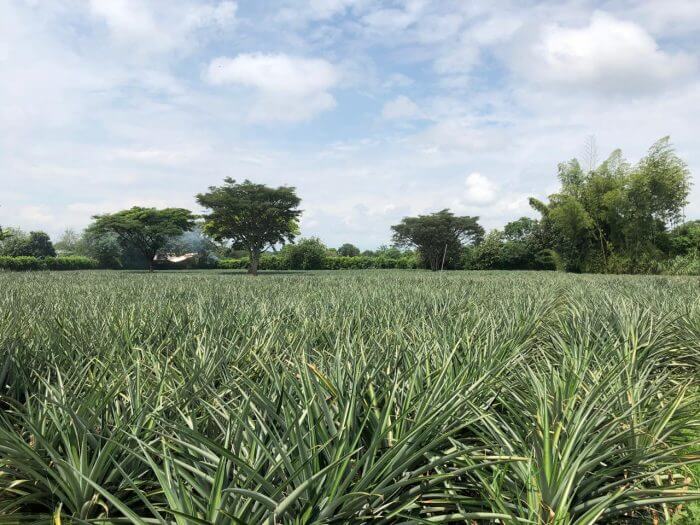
(211, 397)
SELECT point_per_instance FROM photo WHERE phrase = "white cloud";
(401, 107)
(609, 55)
(461, 57)
(480, 189)
(36, 216)
(168, 27)
(669, 18)
(219, 14)
(274, 73)
(300, 12)
(495, 29)
(325, 9)
(125, 19)
(460, 136)
(462, 53)
(167, 157)
(436, 28)
(289, 88)
(392, 19)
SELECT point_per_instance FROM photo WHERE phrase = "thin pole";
(444, 254)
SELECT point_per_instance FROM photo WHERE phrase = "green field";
(348, 397)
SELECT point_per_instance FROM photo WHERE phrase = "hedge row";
(19, 264)
(267, 262)
(272, 262)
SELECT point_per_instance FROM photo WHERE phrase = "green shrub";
(307, 254)
(21, 263)
(360, 262)
(233, 264)
(73, 262)
(28, 263)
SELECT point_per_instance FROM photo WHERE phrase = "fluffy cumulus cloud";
(288, 87)
(373, 109)
(480, 189)
(147, 27)
(608, 55)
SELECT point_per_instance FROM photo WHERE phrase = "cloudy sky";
(373, 109)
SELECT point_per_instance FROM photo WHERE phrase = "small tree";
(348, 250)
(252, 216)
(439, 237)
(35, 244)
(69, 242)
(40, 245)
(14, 242)
(307, 254)
(104, 247)
(488, 255)
(146, 230)
(685, 239)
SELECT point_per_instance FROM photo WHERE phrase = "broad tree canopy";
(251, 216)
(439, 237)
(147, 230)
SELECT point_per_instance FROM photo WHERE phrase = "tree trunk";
(254, 262)
(602, 250)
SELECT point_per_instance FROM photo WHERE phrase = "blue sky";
(373, 109)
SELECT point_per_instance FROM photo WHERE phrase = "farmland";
(348, 397)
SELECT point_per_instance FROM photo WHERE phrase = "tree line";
(610, 217)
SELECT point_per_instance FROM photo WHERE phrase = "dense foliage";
(251, 216)
(145, 230)
(16, 243)
(385, 397)
(612, 218)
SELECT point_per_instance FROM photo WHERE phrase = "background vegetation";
(609, 217)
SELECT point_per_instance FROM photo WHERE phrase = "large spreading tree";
(252, 216)
(439, 237)
(147, 230)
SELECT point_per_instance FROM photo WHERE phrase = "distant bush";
(267, 262)
(306, 254)
(21, 263)
(73, 262)
(29, 263)
(348, 250)
(360, 262)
